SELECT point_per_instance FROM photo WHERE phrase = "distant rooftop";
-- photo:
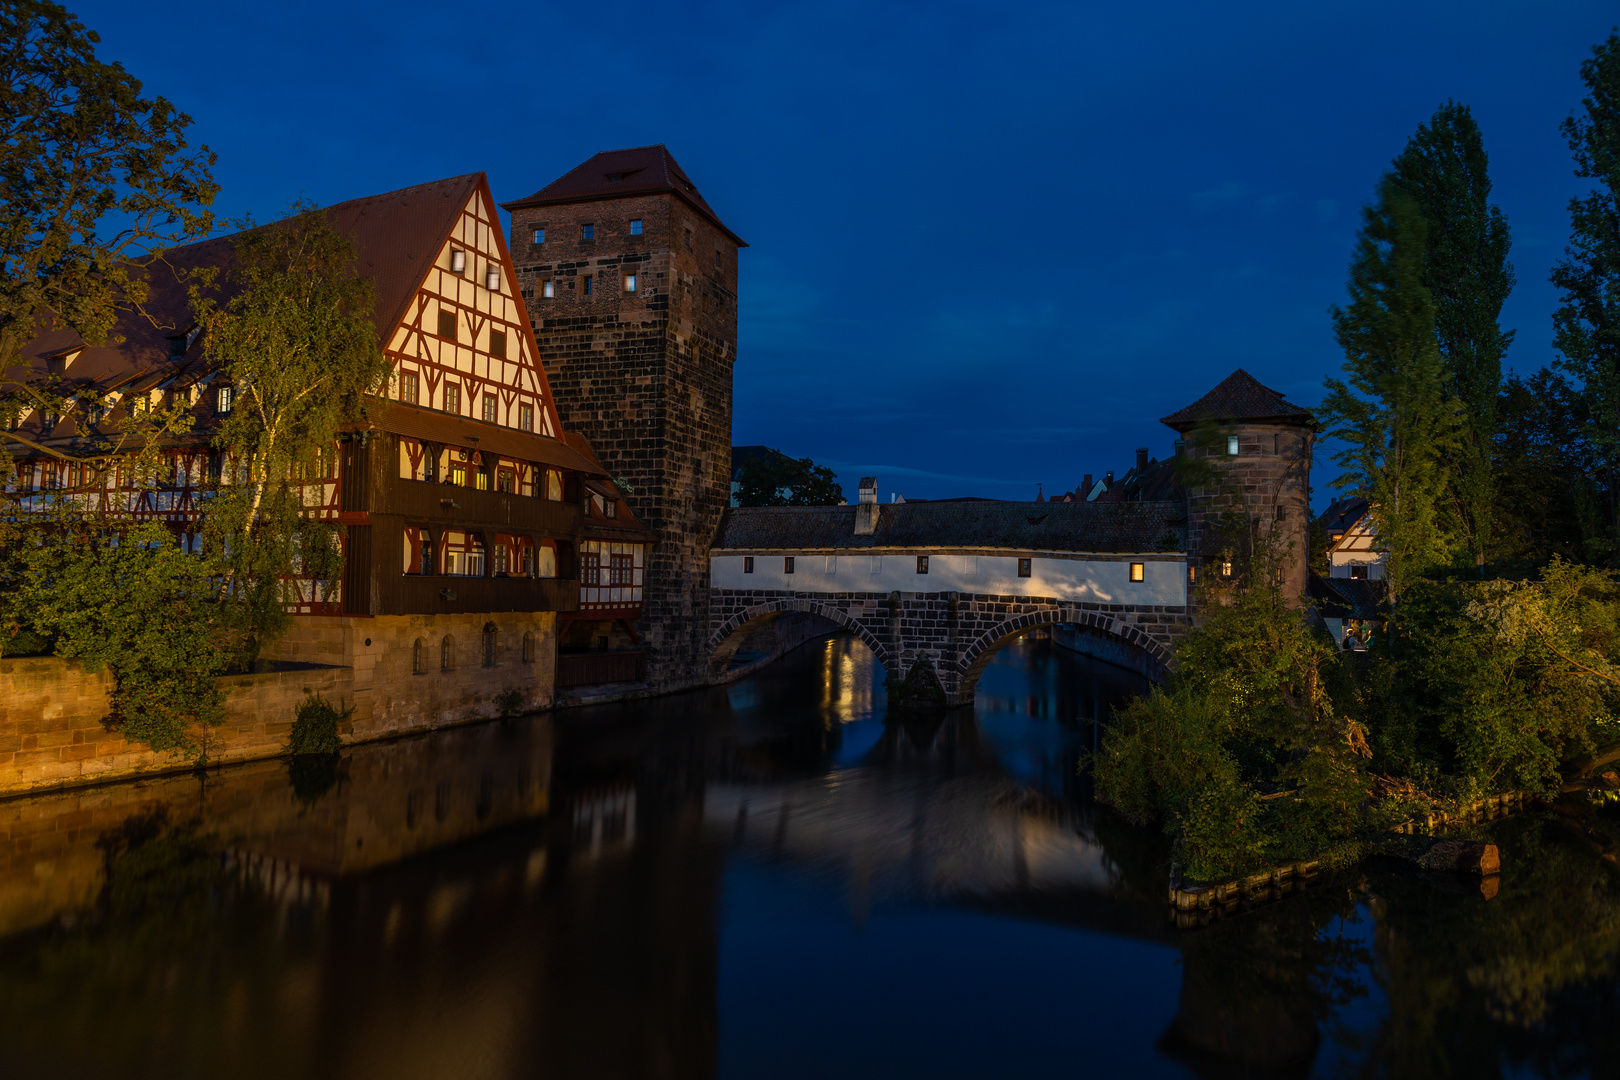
(1240, 396)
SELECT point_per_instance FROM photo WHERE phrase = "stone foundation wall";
(52, 712)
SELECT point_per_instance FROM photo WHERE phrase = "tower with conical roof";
(1261, 446)
(630, 278)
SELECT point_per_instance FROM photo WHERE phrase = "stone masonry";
(644, 375)
(955, 634)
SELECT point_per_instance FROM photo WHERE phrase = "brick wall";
(1271, 471)
(646, 377)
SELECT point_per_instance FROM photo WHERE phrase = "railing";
(596, 668)
(431, 594)
(462, 506)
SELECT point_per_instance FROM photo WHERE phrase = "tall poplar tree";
(1392, 411)
(1465, 270)
(1586, 326)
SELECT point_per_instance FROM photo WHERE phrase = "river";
(768, 879)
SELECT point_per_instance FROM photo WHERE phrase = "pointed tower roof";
(1240, 396)
(614, 174)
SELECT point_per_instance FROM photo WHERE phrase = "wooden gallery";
(472, 522)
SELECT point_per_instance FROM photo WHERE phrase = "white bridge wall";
(1080, 578)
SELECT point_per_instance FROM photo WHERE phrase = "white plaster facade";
(1358, 547)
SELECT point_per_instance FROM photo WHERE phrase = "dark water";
(766, 880)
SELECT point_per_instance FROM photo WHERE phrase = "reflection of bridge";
(943, 586)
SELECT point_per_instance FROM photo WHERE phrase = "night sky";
(989, 244)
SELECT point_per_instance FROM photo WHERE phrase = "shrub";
(315, 728)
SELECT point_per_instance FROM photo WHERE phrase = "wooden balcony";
(417, 594)
(596, 668)
(460, 507)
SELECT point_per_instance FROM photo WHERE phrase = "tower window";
(1138, 571)
(1231, 446)
(922, 564)
(748, 564)
(1192, 574)
(547, 289)
(688, 239)
(587, 232)
(491, 407)
(635, 227)
(447, 325)
(540, 235)
(525, 417)
(1282, 513)
(452, 399)
(588, 284)
(497, 343)
(717, 258)
(629, 283)
(787, 564)
(408, 384)
(1024, 567)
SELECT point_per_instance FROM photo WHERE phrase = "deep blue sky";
(990, 244)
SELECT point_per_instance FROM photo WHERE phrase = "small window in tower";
(525, 417)
(1282, 513)
(1231, 446)
(629, 283)
(635, 227)
(547, 289)
(717, 258)
(588, 284)
(922, 564)
(497, 343)
(1024, 566)
(540, 235)
(1276, 444)
(458, 261)
(748, 564)
(688, 239)
(447, 325)
(787, 564)
(1192, 574)
(408, 387)
(1138, 571)
(452, 399)
(491, 407)
(587, 232)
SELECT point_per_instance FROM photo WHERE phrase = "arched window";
(528, 647)
(419, 658)
(489, 644)
(447, 654)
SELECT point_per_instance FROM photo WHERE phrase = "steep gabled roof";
(1240, 396)
(640, 170)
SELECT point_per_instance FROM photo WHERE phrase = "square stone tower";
(1261, 448)
(630, 278)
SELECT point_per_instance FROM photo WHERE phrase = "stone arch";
(724, 641)
(977, 656)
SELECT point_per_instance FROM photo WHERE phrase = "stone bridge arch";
(731, 633)
(977, 653)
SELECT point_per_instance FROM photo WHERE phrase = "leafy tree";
(297, 341)
(774, 479)
(80, 146)
(1467, 275)
(1550, 500)
(1393, 413)
(1587, 324)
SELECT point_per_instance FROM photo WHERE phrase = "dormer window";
(224, 398)
(615, 177)
(458, 261)
(177, 346)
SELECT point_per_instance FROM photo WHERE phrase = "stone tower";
(631, 283)
(1262, 447)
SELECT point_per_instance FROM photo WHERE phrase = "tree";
(774, 479)
(80, 146)
(297, 342)
(1586, 326)
(1393, 413)
(1465, 270)
(1549, 496)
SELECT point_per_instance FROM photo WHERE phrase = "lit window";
(922, 564)
(1231, 446)
(452, 399)
(497, 343)
(629, 283)
(525, 417)
(1138, 571)
(787, 564)
(1226, 568)
(588, 285)
(635, 227)
(1192, 574)
(748, 564)
(223, 400)
(547, 289)
(1024, 566)
(491, 406)
(458, 261)
(587, 232)
(540, 235)
(447, 325)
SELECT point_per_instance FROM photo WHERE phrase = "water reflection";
(766, 879)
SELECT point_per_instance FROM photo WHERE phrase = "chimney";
(866, 513)
(1108, 479)
(1085, 485)
(1141, 460)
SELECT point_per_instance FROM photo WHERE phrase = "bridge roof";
(1102, 527)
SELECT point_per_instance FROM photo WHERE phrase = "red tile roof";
(641, 170)
(1240, 396)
